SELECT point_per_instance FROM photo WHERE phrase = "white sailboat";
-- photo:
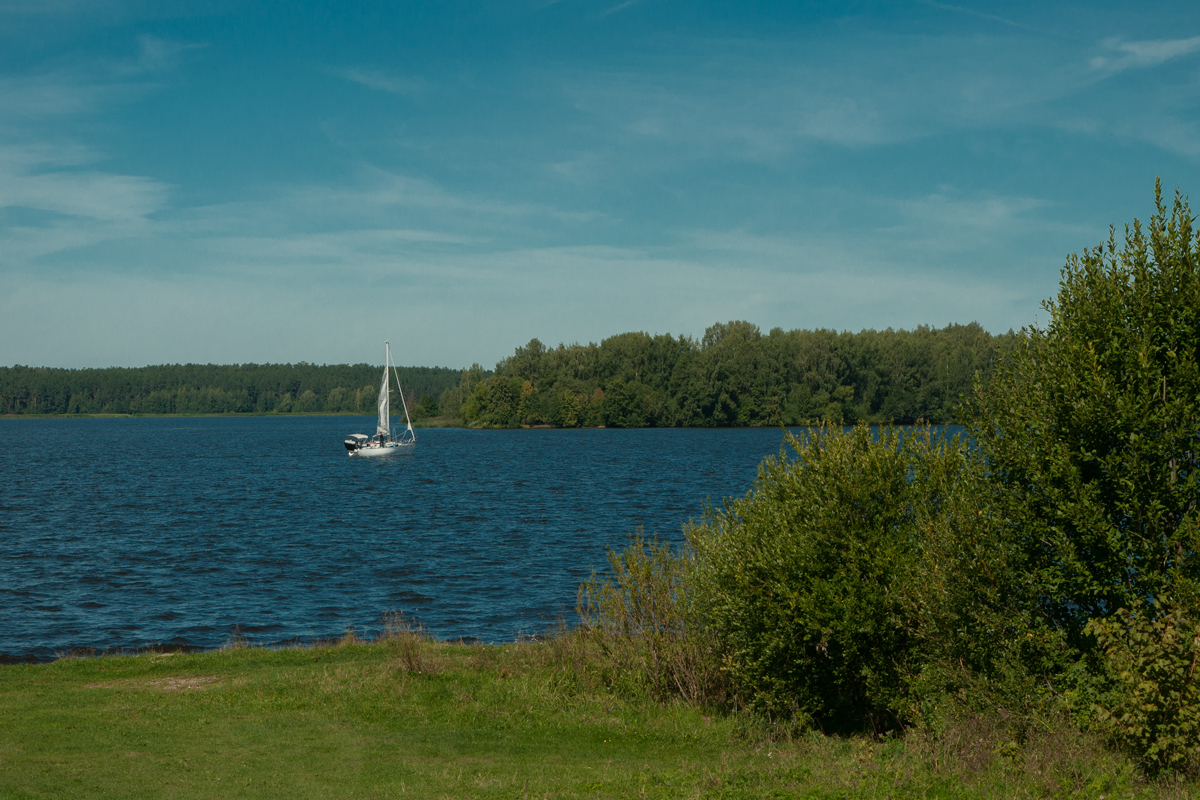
(383, 443)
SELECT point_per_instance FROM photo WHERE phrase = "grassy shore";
(408, 717)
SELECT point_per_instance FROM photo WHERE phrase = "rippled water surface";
(124, 533)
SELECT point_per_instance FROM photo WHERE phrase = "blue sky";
(269, 182)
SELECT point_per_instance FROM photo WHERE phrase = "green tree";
(453, 398)
(1091, 427)
(494, 403)
(308, 401)
(427, 406)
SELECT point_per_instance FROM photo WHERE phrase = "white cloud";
(55, 94)
(472, 268)
(977, 14)
(434, 302)
(379, 188)
(34, 155)
(381, 81)
(1136, 55)
(63, 92)
(97, 195)
(44, 169)
(41, 177)
(763, 100)
(156, 54)
(616, 8)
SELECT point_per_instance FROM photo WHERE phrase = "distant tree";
(308, 402)
(494, 403)
(426, 407)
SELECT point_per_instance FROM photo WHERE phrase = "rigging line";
(400, 389)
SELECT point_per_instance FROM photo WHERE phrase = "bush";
(872, 581)
(803, 579)
(1152, 706)
(645, 620)
(984, 644)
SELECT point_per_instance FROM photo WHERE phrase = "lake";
(131, 532)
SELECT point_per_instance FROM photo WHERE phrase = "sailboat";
(383, 443)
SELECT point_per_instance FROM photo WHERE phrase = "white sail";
(385, 425)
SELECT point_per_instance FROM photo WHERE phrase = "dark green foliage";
(494, 403)
(427, 406)
(974, 608)
(1091, 429)
(451, 402)
(1152, 706)
(735, 376)
(209, 388)
(803, 578)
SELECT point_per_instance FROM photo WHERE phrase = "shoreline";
(430, 422)
(442, 422)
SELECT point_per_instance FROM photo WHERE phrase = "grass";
(409, 717)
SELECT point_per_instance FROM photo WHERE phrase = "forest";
(209, 388)
(733, 376)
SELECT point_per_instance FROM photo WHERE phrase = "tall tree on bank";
(1091, 428)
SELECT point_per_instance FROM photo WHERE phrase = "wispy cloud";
(156, 54)
(54, 188)
(977, 14)
(380, 188)
(86, 88)
(42, 155)
(768, 102)
(616, 8)
(383, 82)
(1137, 55)
(96, 195)
(265, 254)
(59, 93)
(52, 7)
(1165, 130)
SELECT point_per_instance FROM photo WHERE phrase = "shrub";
(645, 620)
(1152, 706)
(802, 579)
(973, 604)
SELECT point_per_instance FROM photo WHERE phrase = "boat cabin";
(355, 440)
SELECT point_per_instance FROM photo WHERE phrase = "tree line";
(210, 388)
(735, 376)
(732, 376)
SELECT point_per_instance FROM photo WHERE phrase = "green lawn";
(411, 718)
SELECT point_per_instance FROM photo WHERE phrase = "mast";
(384, 425)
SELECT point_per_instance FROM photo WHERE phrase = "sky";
(252, 182)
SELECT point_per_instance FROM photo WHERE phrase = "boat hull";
(391, 449)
